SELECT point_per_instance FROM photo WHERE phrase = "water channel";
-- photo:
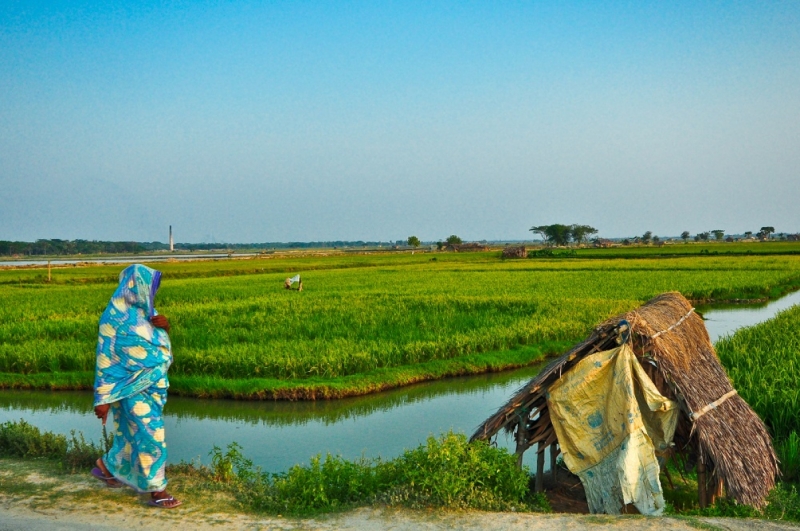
(276, 435)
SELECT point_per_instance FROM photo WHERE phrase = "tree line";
(560, 234)
(55, 247)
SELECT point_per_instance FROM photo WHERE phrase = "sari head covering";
(132, 354)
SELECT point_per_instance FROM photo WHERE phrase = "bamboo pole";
(539, 471)
(718, 489)
(49, 277)
(701, 482)
(522, 437)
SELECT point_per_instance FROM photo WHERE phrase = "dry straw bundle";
(717, 430)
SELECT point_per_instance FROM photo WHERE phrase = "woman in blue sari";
(133, 356)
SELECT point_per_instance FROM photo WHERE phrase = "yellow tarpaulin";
(610, 418)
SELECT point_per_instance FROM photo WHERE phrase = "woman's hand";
(159, 321)
(101, 412)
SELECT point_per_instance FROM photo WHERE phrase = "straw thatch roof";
(716, 430)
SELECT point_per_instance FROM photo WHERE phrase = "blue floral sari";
(133, 357)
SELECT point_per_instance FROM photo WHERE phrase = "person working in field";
(289, 281)
(133, 355)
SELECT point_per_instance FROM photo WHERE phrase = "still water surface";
(277, 435)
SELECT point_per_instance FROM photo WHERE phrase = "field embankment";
(362, 323)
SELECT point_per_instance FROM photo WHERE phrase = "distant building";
(466, 247)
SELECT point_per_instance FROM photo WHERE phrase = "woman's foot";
(162, 499)
(102, 473)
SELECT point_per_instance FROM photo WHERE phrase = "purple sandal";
(111, 481)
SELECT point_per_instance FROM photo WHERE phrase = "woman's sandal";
(110, 481)
(167, 502)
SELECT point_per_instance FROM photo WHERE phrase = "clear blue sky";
(282, 121)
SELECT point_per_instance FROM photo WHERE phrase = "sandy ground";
(18, 515)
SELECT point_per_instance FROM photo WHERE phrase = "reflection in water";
(277, 435)
(722, 320)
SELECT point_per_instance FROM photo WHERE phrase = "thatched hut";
(716, 431)
(517, 251)
(466, 247)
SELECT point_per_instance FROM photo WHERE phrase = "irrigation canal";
(277, 435)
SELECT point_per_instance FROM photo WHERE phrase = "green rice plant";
(788, 451)
(358, 315)
(763, 361)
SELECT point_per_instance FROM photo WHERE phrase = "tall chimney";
(171, 241)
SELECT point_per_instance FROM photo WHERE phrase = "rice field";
(357, 315)
(764, 363)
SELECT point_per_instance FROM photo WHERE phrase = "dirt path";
(33, 497)
(19, 516)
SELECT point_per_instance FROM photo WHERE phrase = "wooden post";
(49, 277)
(539, 468)
(553, 466)
(701, 482)
(522, 436)
(717, 490)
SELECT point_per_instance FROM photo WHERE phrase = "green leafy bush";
(21, 439)
(445, 472)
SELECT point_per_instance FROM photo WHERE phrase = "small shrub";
(20, 439)
(784, 503)
(445, 472)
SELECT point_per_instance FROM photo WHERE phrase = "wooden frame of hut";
(717, 432)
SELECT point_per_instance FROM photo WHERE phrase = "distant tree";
(581, 233)
(413, 241)
(766, 231)
(453, 240)
(439, 245)
(704, 236)
(541, 230)
(656, 240)
(748, 234)
(697, 237)
(718, 234)
(685, 235)
(646, 237)
(626, 241)
(559, 234)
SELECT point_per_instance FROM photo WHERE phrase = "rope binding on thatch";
(682, 319)
(713, 405)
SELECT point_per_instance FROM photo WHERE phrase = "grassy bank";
(363, 323)
(444, 472)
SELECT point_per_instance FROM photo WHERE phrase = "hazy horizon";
(279, 122)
